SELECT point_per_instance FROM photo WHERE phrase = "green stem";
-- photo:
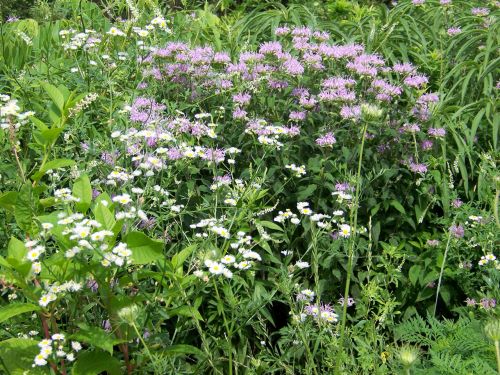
(442, 269)
(228, 331)
(143, 343)
(352, 243)
(497, 352)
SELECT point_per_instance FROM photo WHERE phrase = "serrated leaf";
(8, 199)
(53, 164)
(9, 311)
(96, 336)
(94, 363)
(23, 350)
(82, 189)
(23, 210)
(144, 249)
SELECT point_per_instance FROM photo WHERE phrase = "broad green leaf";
(414, 273)
(183, 349)
(96, 336)
(270, 225)
(53, 164)
(306, 193)
(104, 216)
(9, 311)
(179, 258)
(94, 363)
(54, 94)
(82, 189)
(144, 249)
(23, 350)
(23, 210)
(16, 249)
(397, 206)
(8, 199)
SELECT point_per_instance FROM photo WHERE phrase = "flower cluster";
(10, 113)
(52, 291)
(53, 349)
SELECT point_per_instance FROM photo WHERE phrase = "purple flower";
(279, 31)
(350, 301)
(297, 115)
(326, 140)
(436, 132)
(92, 285)
(426, 145)
(95, 193)
(418, 2)
(418, 167)
(453, 31)
(343, 186)
(293, 67)
(445, 2)
(457, 203)
(416, 81)
(403, 68)
(432, 243)
(470, 301)
(242, 98)
(350, 112)
(481, 12)
(106, 325)
(488, 303)
(239, 113)
(457, 231)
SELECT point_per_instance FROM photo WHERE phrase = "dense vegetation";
(242, 187)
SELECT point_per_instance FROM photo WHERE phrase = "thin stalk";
(497, 352)
(228, 331)
(442, 269)
(352, 243)
(143, 343)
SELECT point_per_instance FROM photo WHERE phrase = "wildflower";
(40, 360)
(57, 337)
(115, 32)
(302, 265)
(350, 301)
(480, 12)
(326, 140)
(306, 295)
(453, 31)
(345, 230)
(216, 268)
(228, 259)
(457, 231)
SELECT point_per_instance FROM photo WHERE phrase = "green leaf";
(96, 336)
(23, 350)
(144, 249)
(183, 349)
(188, 311)
(23, 210)
(54, 94)
(104, 216)
(94, 363)
(53, 164)
(414, 274)
(8, 199)
(9, 311)
(82, 189)
(179, 258)
(270, 225)
(16, 249)
(397, 206)
(307, 192)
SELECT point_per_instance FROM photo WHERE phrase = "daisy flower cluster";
(243, 260)
(320, 313)
(54, 350)
(298, 171)
(54, 290)
(74, 40)
(11, 115)
(489, 259)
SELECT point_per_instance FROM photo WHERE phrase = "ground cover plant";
(282, 190)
